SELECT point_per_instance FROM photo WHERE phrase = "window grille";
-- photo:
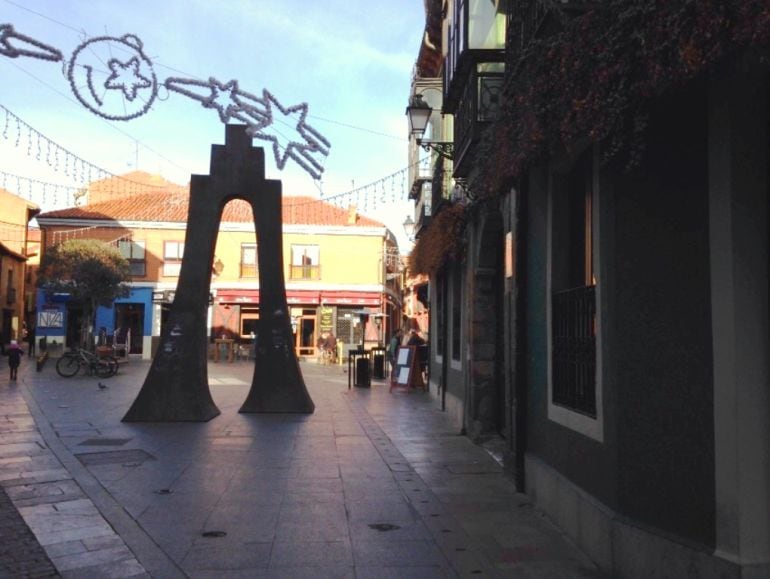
(574, 349)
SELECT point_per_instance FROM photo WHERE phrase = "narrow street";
(373, 484)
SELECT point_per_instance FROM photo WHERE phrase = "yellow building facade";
(14, 254)
(336, 263)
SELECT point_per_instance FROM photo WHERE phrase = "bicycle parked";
(71, 362)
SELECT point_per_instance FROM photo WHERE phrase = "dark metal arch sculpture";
(176, 387)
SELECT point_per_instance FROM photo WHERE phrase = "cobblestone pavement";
(21, 555)
(373, 484)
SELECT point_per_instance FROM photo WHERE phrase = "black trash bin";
(363, 378)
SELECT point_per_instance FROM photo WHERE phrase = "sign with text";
(406, 372)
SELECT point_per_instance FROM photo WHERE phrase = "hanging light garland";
(58, 159)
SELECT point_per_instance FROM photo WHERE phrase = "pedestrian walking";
(31, 340)
(330, 348)
(395, 342)
(14, 358)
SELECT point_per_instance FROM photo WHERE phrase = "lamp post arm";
(444, 148)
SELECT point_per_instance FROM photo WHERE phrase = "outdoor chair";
(121, 344)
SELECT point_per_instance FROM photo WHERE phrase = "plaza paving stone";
(373, 484)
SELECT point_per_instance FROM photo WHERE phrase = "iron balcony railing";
(479, 105)
(305, 272)
(574, 349)
(249, 270)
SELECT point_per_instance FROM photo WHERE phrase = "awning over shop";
(237, 296)
(351, 298)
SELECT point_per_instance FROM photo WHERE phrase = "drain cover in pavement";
(104, 442)
(383, 527)
(114, 457)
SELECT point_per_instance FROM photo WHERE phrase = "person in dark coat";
(31, 340)
(330, 347)
(14, 358)
(395, 342)
(415, 339)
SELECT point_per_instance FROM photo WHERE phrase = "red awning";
(340, 298)
(245, 296)
(242, 296)
(351, 298)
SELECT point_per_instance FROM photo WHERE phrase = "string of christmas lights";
(37, 191)
(58, 158)
(58, 237)
(92, 179)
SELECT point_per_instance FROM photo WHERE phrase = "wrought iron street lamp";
(419, 113)
(409, 225)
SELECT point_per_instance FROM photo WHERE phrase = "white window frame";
(172, 260)
(132, 246)
(249, 246)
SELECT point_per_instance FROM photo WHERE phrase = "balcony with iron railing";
(249, 270)
(423, 207)
(441, 190)
(479, 105)
(573, 327)
(305, 272)
(476, 35)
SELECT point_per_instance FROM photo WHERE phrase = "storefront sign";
(50, 319)
(326, 319)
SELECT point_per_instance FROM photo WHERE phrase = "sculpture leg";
(176, 387)
(277, 385)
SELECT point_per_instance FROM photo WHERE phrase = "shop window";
(249, 260)
(249, 322)
(305, 262)
(173, 251)
(134, 252)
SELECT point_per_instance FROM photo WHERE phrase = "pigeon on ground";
(102, 386)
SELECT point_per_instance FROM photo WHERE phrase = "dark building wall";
(656, 462)
(661, 326)
(590, 464)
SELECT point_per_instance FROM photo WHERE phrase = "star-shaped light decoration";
(301, 152)
(227, 99)
(231, 102)
(126, 77)
(223, 99)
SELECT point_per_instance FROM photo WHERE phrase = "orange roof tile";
(135, 182)
(170, 205)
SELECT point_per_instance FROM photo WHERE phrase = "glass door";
(305, 344)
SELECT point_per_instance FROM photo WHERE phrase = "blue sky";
(351, 62)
